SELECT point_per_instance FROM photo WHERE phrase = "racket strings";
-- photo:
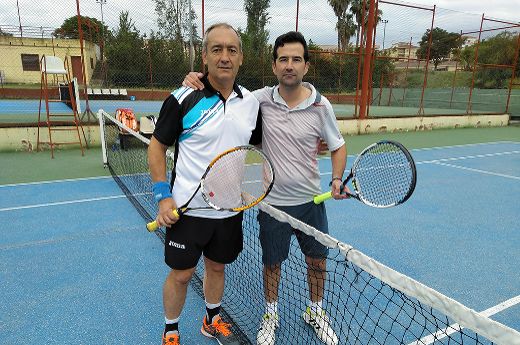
(384, 175)
(237, 180)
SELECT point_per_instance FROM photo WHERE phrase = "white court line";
(54, 181)
(443, 333)
(68, 238)
(468, 157)
(440, 162)
(479, 171)
(65, 202)
(464, 145)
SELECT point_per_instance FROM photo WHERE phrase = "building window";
(30, 62)
(92, 63)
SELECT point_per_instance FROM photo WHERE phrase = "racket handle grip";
(318, 199)
(152, 226)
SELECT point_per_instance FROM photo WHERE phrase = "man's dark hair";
(291, 37)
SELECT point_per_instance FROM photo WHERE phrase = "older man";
(204, 123)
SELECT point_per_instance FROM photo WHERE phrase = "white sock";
(271, 308)
(169, 322)
(315, 308)
(212, 306)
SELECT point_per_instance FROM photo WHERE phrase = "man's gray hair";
(218, 25)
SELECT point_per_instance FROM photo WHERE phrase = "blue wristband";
(161, 190)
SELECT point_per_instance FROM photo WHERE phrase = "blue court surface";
(78, 266)
(109, 106)
(32, 106)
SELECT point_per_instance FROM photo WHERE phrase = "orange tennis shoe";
(172, 339)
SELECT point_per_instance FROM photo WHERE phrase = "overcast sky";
(315, 20)
(501, 9)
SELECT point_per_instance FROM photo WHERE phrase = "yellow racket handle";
(153, 225)
(318, 199)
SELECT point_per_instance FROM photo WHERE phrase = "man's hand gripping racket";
(236, 180)
(383, 175)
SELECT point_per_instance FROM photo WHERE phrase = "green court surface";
(22, 167)
(14, 112)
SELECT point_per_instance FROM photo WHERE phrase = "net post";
(102, 133)
(75, 90)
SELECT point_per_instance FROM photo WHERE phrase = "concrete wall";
(419, 123)
(25, 138)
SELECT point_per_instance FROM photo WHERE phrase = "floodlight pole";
(297, 13)
(102, 2)
(366, 67)
(87, 108)
(191, 36)
(203, 65)
(19, 19)
(384, 32)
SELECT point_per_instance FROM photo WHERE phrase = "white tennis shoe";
(265, 334)
(321, 325)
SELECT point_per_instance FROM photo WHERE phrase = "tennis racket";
(383, 175)
(236, 180)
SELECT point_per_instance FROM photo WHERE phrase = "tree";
(169, 61)
(340, 8)
(313, 46)
(497, 50)
(70, 29)
(6, 34)
(127, 54)
(357, 10)
(346, 29)
(467, 56)
(175, 20)
(443, 42)
(257, 19)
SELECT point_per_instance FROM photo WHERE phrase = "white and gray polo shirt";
(290, 139)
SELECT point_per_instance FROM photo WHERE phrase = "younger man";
(294, 118)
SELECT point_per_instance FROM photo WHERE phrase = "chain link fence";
(143, 50)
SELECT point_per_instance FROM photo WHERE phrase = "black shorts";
(219, 239)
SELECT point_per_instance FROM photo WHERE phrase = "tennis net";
(366, 302)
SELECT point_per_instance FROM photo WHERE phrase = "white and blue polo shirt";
(210, 126)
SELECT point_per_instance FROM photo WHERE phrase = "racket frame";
(359, 196)
(184, 208)
(352, 176)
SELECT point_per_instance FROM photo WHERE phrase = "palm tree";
(340, 8)
(357, 10)
(346, 29)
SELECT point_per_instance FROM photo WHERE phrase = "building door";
(77, 69)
